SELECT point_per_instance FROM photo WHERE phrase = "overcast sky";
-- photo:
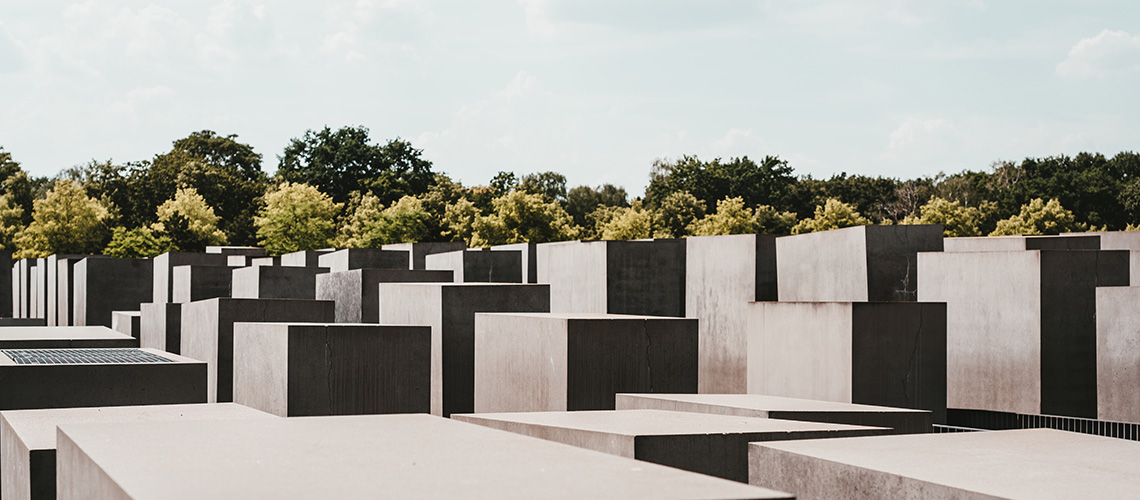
(593, 89)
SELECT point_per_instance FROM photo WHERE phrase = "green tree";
(16, 185)
(628, 223)
(439, 196)
(372, 225)
(189, 222)
(956, 219)
(523, 217)
(731, 217)
(1039, 217)
(551, 185)
(460, 219)
(65, 221)
(770, 221)
(296, 217)
(769, 182)
(833, 214)
(583, 200)
(137, 243)
(676, 213)
(11, 223)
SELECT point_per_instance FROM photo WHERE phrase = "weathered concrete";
(27, 438)
(23, 271)
(449, 308)
(1021, 326)
(303, 258)
(529, 259)
(164, 271)
(1083, 241)
(160, 326)
(722, 275)
(6, 284)
(356, 291)
(127, 322)
(39, 297)
(63, 337)
(567, 361)
(194, 283)
(901, 420)
(65, 296)
(364, 258)
(208, 331)
(311, 369)
(15, 290)
(243, 251)
(266, 282)
(1114, 240)
(56, 286)
(394, 456)
(266, 261)
(1022, 464)
(479, 265)
(877, 353)
(854, 264)
(5, 322)
(1118, 354)
(34, 291)
(716, 445)
(105, 285)
(73, 385)
(617, 277)
(418, 252)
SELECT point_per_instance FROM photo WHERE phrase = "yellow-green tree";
(372, 225)
(628, 223)
(731, 217)
(11, 222)
(189, 221)
(772, 221)
(833, 214)
(296, 217)
(520, 217)
(137, 243)
(956, 220)
(65, 221)
(676, 213)
(1039, 217)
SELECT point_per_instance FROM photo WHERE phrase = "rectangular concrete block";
(616, 277)
(562, 361)
(105, 285)
(312, 369)
(243, 251)
(529, 259)
(34, 291)
(854, 264)
(1038, 463)
(27, 438)
(479, 265)
(65, 295)
(208, 331)
(127, 322)
(266, 261)
(722, 275)
(364, 258)
(160, 327)
(1118, 354)
(393, 456)
(268, 282)
(418, 252)
(54, 288)
(876, 353)
(1021, 326)
(450, 308)
(164, 271)
(716, 445)
(25, 291)
(194, 283)
(88, 377)
(63, 337)
(1083, 241)
(5, 322)
(6, 284)
(356, 291)
(303, 258)
(901, 420)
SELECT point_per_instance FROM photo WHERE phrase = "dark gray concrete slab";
(160, 327)
(364, 258)
(312, 369)
(193, 283)
(564, 361)
(356, 291)
(529, 259)
(164, 271)
(394, 456)
(418, 252)
(244, 251)
(1083, 241)
(303, 258)
(127, 322)
(6, 284)
(63, 337)
(617, 277)
(479, 265)
(57, 287)
(105, 285)
(65, 295)
(269, 282)
(6, 322)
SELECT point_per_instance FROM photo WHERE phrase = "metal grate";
(997, 420)
(81, 356)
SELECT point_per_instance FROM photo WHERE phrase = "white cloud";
(731, 139)
(1108, 52)
(137, 100)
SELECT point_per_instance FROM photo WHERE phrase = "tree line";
(341, 188)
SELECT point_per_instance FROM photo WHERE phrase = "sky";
(596, 90)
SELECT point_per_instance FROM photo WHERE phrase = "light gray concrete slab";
(303, 258)
(160, 326)
(244, 251)
(364, 258)
(193, 283)
(418, 252)
(616, 277)
(395, 456)
(270, 282)
(164, 271)
(1118, 353)
(105, 285)
(127, 322)
(51, 337)
(1020, 464)
(479, 265)
(54, 288)
(356, 291)
(1072, 241)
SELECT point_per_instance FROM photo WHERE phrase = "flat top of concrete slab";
(660, 422)
(761, 402)
(60, 333)
(396, 456)
(1035, 463)
(168, 358)
(594, 316)
(328, 325)
(470, 284)
(36, 428)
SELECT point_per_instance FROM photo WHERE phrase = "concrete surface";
(5, 322)
(393, 456)
(854, 264)
(194, 283)
(127, 322)
(364, 258)
(208, 331)
(901, 420)
(57, 337)
(243, 251)
(566, 361)
(1082, 241)
(27, 438)
(1118, 354)
(6, 284)
(65, 288)
(616, 277)
(356, 291)
(449, 308)
(265, 261)
(1022, 464)
(478, 265)
(716, 445)
(418, 252)
(878, 353)
(164, 271)
(160, 326)
(54, 288)
(529, 259)
(311, 369)
(269, 282)
(105, 285)
(722, 275)
(303, 258)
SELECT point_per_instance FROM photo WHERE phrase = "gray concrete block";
(356, 291)
(15, 290)
(901, 420)
(57, 286)
(616, 277)
(7, 284)
(164, 271)
(208, 331)
(193, 283)
(239, 260)
(396, 456)
(418, 252)
(244, 251)
(303, 258)
(364, 258)
(40, 289)
(565, 361)
(854, 264)
(529, 259)
(1082, 241)
(1021, 326)
(877, 353)
(1037, 463)
(266, 261)
(63, 337)
(722, 275)
(27, 438)
(127, 322)
(1118, 354)
(104, 381)
(479, 265)
(450, 308)
(24, 287)
(268, 282)
(716, 445)
(160, 327)
(311, 369)
(6, 322)
(105, 285)
(65, 293)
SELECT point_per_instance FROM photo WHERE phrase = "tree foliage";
(833, 214)
(769, 182)
(137, 243)
(65, 221)
(956, 220)
(296, 217)
(676, 213)
(731, 217)
(522, 217)
(372, 225)
(1039, 217)
(583, 200)
(11, 223)
(189, 222)
(627, 223)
